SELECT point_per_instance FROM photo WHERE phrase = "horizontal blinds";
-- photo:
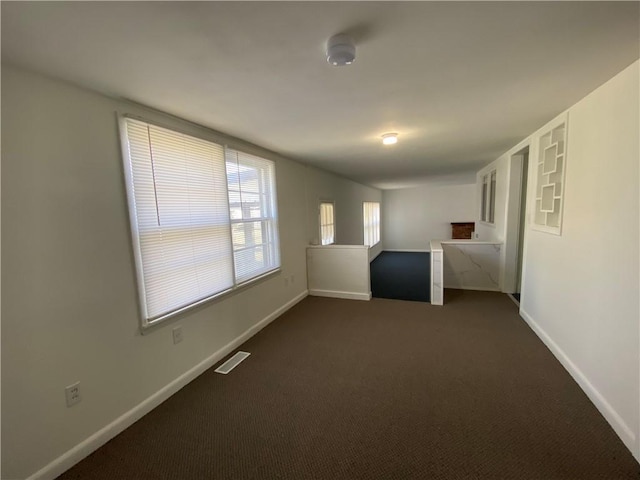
(327, 229)
(371, 215)
(180, 215)
(254, 216)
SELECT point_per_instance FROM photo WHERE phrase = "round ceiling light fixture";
(341, 50)
(390, 138)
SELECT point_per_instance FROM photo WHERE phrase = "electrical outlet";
(72, 393)
(293, 279)
(286, 281)
(177, 334)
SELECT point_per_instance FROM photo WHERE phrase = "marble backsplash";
(471, 266)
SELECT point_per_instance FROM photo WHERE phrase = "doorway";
(522, 157)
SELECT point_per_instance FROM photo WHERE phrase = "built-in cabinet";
(464, 264)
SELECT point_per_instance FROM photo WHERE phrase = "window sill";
(148, 326)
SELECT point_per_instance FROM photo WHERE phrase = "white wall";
(494, 232)
(339, 271)
(414, 216)
(504, 229)
(580, 289)
(347, 197)
(69, 305)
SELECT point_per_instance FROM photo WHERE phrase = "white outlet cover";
(72, 394)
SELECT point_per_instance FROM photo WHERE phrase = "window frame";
(268, 218)
(333, 221)
(146, 321)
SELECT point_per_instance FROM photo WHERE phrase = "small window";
(371, 214)
(327, 223)
(488, 200)
(203, 218)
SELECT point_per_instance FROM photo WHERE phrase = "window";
(252, 205)
(371, 214)
(488, 201)
(203, 219)
(327, 224)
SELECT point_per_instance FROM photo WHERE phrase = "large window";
(327, 224)
(203, 219)
(371, 214)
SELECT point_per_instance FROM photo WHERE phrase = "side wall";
(502, 229)
(339, 271)
(69, 305)
(412, 217)
(580, 290)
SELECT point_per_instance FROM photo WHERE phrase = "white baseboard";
(102, 436)
(337, 294)
(601, 403)
(405, 250)
(513, 299)
(477, 289)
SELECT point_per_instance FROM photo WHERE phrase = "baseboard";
(102, 436)
(513, 299)
(337, 294)
(476, 289)
(609, 413)
(405, 250)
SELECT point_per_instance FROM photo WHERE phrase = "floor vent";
(232, 363)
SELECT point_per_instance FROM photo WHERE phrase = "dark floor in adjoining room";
(401, 276)
(344, 389)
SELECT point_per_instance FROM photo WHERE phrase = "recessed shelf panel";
(550, 177)
(540, 217)
(539, 181)
(547, 198)
(557, 134)
(549, 159)
(553, 218)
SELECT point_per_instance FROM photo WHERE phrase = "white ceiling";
(461, 82)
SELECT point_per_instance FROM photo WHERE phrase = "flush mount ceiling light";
(340, 50)
(390, 138)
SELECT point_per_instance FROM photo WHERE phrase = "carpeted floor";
(386, 389)
(401, 276)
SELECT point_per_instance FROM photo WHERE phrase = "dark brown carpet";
(387, 389)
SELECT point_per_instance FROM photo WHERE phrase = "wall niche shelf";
(550, 171)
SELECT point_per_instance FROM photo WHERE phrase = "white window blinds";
(254, 218)
(371, 215)
(327, 224)
(179, 195)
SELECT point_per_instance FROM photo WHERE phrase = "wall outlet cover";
(177, 334)
(72, 394)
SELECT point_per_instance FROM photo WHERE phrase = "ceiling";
(461, 82)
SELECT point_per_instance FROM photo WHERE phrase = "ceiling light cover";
(341, 50)
(390, 138)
